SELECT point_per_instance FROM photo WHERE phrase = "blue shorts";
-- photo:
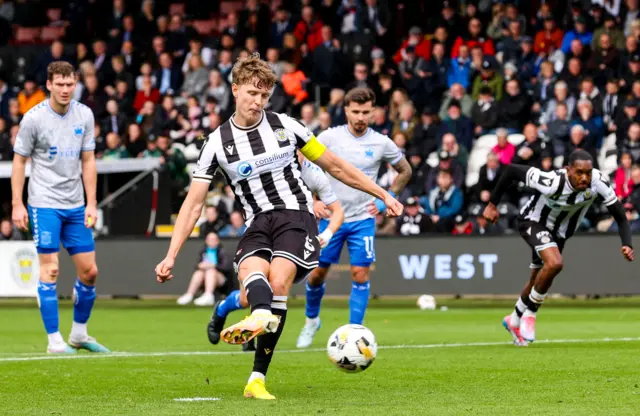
(359, 235)
(52, 226)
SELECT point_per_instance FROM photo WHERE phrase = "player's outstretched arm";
(187, 217)
(353, 177)
(19, 213)
(511, 173)
(624, 230)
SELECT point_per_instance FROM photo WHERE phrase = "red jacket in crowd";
(485, 43)
(311, 35)
(423, 50)
(545, 41)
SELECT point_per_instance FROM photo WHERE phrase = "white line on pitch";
(389, 347)
(196, 399)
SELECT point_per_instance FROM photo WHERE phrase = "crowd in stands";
(507, 81)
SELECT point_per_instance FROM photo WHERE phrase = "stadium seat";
(205, 27)
(227, 7)
(51, 33)
(557, 161)
(515, 139)
(25, 35)
(176, 8)
(432, 159)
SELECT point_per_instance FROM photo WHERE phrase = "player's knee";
(317, 276)
(50, 272)
(280, 287)
(360, 276)
(88, 275)
(555, 264)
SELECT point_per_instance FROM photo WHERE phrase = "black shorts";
(282, 233)
(539, 238)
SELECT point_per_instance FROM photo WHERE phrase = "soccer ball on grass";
(352, 348)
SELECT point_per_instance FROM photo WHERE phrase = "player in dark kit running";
(547, 221)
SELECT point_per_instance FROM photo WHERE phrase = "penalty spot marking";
(298, 351)
(196, 399)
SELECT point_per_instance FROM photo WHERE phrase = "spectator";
(630, 49)
(419, 172)
(114, 149)
(615, 34)
(421, 46)
(213, 264)
(456, 92)
(515, 108)
(293, 82)
(115, 120)
(30, 96)
(413, 221)
(630, 16)
(457, 124)
(308, 116)
(168, 77)
(462, 225)
(485, 112)
(145, 70)
(213, 223)
(588, 91)
(436, 71)
(398, 97)
(336, 107)
(455, 151)
(529, 152)
(446, 162)
(124, 97)
(460, 69)
(308, 30)
(473, 38)
(630, 73)
(632, 142)
(380, 122)
(281, 24)
(400, 140)
(610, 108)
(236, 228)
(488, 77)
(504, 150)
(196, 80)
(9, 232)
(324, 122)
(528, 64)
(580, 32)
(593, 125)
(558, 130)
(561, 95)
(273, 58)
(443, 202)
(6, 94)
(510, 45)
(101, 62)
(14, 112)
(219, 90)
(197, 49)
(135, 141)
(605, 60)
(488, 178)
(579, 140)
(361, 75)
(147, 93)
(572, 76)
(627, 117)
(549, 38)
(543, 88)
(120, 73)
(328, 62)
(93, 96)
(408, 122)
(622, 178)
(425, 134)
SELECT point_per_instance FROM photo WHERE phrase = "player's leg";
(315, 285)
(360, 243)
(46, 225)
(511, 322)
(78, 241)
(197, 278)
(211, 280)
(221, 309)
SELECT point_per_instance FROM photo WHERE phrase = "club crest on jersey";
(281, 135)
(77, 131)
(587, 194)
(368, 152)
(544, 237)
(244, 169)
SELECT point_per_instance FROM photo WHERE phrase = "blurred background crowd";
(463, 88)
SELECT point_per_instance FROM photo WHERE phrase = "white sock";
(55, 338)
(529, 313)
(537, 297)
(312, 321)
(254, 375)
(515, 319)
(261, 312)
(79, 330)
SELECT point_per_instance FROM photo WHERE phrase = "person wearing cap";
(419, 171)
(528, 64)
(579, 31)
(549, 38)
(443, 202)
(462, 225)
(458, 124)
(610, 28)
(515, 107)
(446, 162)
(474, 37)
(413, 221)
(30, 96)
(630, 73)
(422, 46)
(448, 19)
(488, 77)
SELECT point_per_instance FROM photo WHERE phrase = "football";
(352, 348)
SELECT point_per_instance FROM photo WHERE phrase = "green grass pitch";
(592, 367)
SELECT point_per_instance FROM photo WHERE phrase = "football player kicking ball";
(547, 221)
(367, 150)
(255, 150)
(57, 135)
(327, 205)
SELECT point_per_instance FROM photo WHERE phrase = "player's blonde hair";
(65, 69)
(253, 70)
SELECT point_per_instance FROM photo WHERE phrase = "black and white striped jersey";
(559, 207)
(260, 163)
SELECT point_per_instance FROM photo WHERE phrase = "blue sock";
(314, 298)
(85, 296)
(48, 302)
(358, 302)
(230, 304)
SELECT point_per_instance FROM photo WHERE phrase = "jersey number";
(368, 246)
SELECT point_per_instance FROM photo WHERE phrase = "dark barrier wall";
(405, 266)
